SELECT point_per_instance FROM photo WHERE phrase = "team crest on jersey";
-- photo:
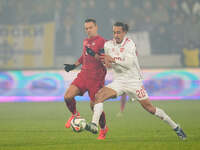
(85, 42)
(121, 49)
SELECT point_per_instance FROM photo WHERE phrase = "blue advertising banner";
(33, 86)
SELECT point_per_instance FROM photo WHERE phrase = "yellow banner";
(27, 46)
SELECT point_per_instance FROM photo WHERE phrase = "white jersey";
(126, 66)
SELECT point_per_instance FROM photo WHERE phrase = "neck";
(92, 36)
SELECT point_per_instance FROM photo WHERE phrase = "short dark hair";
(91, 20)
(124, 26)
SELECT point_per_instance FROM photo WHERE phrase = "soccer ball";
(78, 124)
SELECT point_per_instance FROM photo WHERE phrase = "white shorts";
(133, 89)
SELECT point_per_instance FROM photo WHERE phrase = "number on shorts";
(141, 92)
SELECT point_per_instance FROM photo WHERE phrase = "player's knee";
(96, 96)
(99, 98)
(68, 97)
(150, 109)
(146, 104)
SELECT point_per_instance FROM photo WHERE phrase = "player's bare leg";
(122, 105)
(123, 102)
(71, 92)
(147, 105)
(102, 95)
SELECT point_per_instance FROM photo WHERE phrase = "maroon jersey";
(91, 67)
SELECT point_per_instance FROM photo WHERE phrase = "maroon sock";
(71, 104)
(102, 120)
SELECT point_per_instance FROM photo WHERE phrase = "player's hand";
(107, 63)
(107, 60)
(69, 67)
(90, 51)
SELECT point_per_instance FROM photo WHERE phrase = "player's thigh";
(71, 92)
(93, 88)
(146, 104)
(77, 87)
(104, 94)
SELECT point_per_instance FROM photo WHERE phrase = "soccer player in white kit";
(120, 55)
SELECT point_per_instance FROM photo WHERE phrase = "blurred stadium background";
(38, 36)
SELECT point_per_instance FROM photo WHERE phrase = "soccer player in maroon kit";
(92, 75)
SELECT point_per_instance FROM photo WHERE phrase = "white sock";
(162, 115)
(98, 109)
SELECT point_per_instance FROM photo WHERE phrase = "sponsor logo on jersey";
(121, 49)
(119, 58)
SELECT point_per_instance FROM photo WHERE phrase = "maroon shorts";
(90, 85)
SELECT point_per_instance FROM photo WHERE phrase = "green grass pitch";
(40, 126)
